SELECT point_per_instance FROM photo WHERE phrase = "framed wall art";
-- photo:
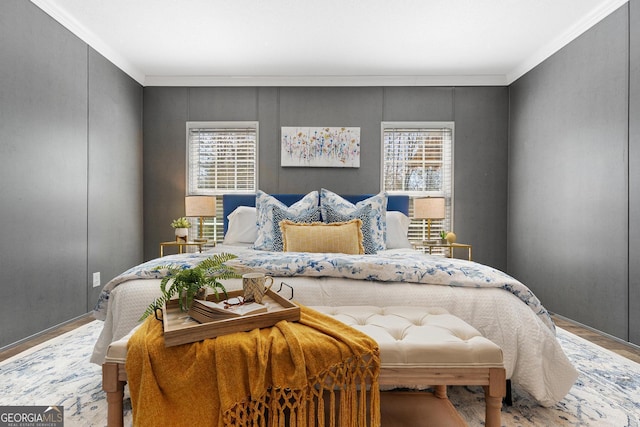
(333, 147)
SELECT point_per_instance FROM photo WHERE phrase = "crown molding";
(296, 80)
(90, 38)
(126, 66)
(567, 37)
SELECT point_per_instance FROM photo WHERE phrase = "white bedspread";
(533, 358)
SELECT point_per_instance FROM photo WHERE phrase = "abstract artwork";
(320, 147)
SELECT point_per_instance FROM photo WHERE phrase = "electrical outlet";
(96, 279)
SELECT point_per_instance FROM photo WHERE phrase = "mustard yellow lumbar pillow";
(337, 237)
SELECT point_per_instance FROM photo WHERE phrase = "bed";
(389, 273)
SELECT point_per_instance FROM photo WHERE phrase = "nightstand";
(446, 246)
(181, 244)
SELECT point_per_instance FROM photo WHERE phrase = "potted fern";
(190, 283)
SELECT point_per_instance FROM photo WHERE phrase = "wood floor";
(627, 350)
(624, 349)
(45, 336)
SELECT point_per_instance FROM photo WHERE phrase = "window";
(222, 157)
(417, 160)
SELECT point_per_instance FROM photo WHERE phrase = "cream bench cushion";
(419, 337)
(117, 350)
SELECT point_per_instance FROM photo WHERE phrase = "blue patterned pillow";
(364, 213)
(280, 215)
(377, 228)
(264, 215)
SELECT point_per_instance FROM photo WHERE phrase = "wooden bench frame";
(493, 380)
(114, 378)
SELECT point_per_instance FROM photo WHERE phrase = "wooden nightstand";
(181, 244)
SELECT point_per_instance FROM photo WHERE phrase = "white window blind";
(418, 161)
(222, 157)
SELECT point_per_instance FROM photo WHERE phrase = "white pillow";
(397, 230)
(242, 226)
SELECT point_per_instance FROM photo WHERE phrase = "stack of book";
(209, 311)
(212, 320)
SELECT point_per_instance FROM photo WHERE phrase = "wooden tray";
(180, 328)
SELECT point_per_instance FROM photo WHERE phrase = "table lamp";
(200, 206)
(429, 208)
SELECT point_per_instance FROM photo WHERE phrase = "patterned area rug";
(57, 372)
(606, 393)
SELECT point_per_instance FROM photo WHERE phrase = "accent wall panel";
(43, 178)
(480, 175)
(115, 240)
(164, 124)
(480, 115)
(568, 210)
(634, 173)
(333, 107)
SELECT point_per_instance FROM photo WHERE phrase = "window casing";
(222, 158)
(417, 160)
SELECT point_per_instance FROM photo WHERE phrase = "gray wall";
(568, 179)
(70, 182)
(634, 172)
(480, 147)
(115, 227)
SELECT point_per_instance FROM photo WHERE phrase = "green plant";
(181, 223)
(186, 283)
(443, 234)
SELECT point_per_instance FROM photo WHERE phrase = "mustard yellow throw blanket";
(289, 374)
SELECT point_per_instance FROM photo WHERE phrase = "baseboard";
(43, 332)
(597, 331)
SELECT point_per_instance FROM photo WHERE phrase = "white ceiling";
(327, 42)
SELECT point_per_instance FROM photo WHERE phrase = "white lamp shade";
(200, 206)
(429, 208)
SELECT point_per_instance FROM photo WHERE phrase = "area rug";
(58, 373)
(606, 393)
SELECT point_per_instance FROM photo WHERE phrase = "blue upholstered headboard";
(231, 201)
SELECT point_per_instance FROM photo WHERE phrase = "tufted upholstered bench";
(430, 347)
(418, 347)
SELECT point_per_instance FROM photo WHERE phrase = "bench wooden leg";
(114, 387)
(440, 391)
(493, 394)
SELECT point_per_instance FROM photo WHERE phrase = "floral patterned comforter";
(387, 266)
(147, 270)
(390, 266)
